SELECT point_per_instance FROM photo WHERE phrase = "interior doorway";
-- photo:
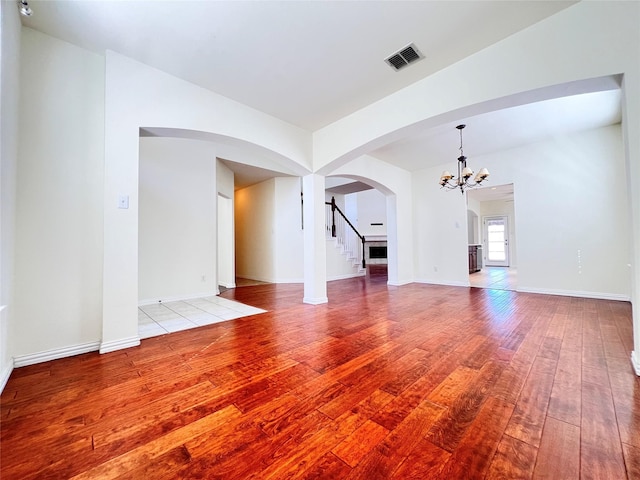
(491, 226)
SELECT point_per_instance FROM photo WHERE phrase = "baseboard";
(315, 301)
(288, 280)
(399, 284)
(345, 276)
(440, 282)
(635, 361)
(178, 298)
(112, 346)
(228, 285)
(4, 376)
(54, 354)
(576, 293)
(6, 371)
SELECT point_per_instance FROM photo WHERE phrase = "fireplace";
(377, 251)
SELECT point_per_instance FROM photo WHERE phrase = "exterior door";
(496, 238)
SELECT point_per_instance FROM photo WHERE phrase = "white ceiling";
(310, 63)
(486, 194)
(306, 62)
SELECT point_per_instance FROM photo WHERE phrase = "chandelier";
(462, 181)
(24, 8)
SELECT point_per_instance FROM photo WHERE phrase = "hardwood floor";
(412, 382)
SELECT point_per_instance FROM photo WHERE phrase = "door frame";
(225, 242)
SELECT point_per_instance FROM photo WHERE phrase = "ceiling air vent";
(404, 57)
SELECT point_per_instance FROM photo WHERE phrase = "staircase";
(343, 237)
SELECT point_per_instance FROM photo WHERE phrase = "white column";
(120, 274)
(315, 248)
(400, 236)
(630, 127)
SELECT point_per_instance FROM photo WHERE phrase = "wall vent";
(404, 57)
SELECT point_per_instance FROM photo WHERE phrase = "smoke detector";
(404, 57)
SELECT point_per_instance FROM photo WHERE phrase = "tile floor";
(498, 278)
(162, 318)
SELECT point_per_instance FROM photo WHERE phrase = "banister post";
(333, 216)
(364, 264)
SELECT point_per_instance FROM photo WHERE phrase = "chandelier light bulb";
(25, 9)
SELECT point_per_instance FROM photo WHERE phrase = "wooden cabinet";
(474, 264)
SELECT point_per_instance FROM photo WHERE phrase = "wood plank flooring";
(412, 382)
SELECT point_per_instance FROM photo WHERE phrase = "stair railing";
(343, 230)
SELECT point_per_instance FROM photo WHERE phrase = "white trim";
(4, 376)
(635, 361)
(177, 298)
(439, 282)
(315, 301)
(106, 347)
(55, 354)
(576, 293)
(228, 285)
(285, 280)
(400, 284)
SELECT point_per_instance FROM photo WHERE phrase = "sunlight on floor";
(498, 278)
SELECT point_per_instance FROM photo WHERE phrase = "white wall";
(350, 207)
(569, 217)
(9, 94)
(372, 208)
(140, 96)
(224, 179)
(59, 228)
(288, 233)
(473, 221)
(564, 204)
(226, 230)
(254, 222)
(269, 235)
(177, 219)
(440, 231)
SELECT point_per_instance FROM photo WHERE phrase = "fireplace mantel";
(375, 238)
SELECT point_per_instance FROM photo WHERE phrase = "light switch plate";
(123, 201)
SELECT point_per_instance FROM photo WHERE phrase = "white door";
(496, 241)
